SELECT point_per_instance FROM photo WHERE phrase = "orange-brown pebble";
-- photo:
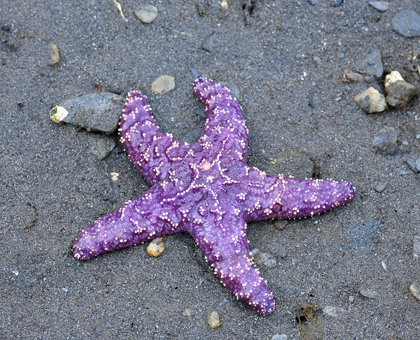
(156, 247)
(213, 320)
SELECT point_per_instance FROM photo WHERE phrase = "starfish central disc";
(207, 190)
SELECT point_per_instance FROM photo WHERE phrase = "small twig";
(120, 9)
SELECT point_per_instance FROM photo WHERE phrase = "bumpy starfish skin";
(207, 190)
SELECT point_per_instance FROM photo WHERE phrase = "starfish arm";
(223, 117)
(222, 239)
(287, 197)
(137, 221)
(152, 151)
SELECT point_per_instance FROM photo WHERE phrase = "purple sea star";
(207, 190)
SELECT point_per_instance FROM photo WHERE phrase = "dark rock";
(93, 112)
(407, 23)
(398, 91)
(101, 146)
(195, 73)
(386, 140)
(207, 44)
(372, 65)
(414, 164)
(336, 3)
(381, 6)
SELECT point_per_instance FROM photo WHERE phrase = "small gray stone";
(208, 42)
(265, 259)
(101, 146)
(414, 164)
(314, 2)
(280, 224)
(381, 6)
(407, 23)
(372, 65)
(96, 111)
(282, 251)
(333, 312)
(368, 293)
(279, 337)
(195, 73)
(351, 299)
(336, 3)
(163, 84)
(386, 140)
(415, 290)
(146, 13)
(416, 246)
(380, 187)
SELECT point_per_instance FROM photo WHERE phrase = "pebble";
(146, 13)
(415, 290)
(351, 299)
(280, 224)
(187, 312)
(336, 3)
(386, 140)
(163, 84)
(114, 176)
(156, 247)
(224, 4)
(381, 6)
(371, 100)
(101, 146)
(195, 73)
(279, 337)
(334, 312)
(55, 55)
(208, 42)
(314, 2)
(349, 76)
(372, 65)
(64, 289)
(265, 259)
(407, 23)
(93, 112)
(398, 91)
(414, 164)
(380, 187)
(368, 293)
(282, 251)
(416, 247)
(213, 320)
